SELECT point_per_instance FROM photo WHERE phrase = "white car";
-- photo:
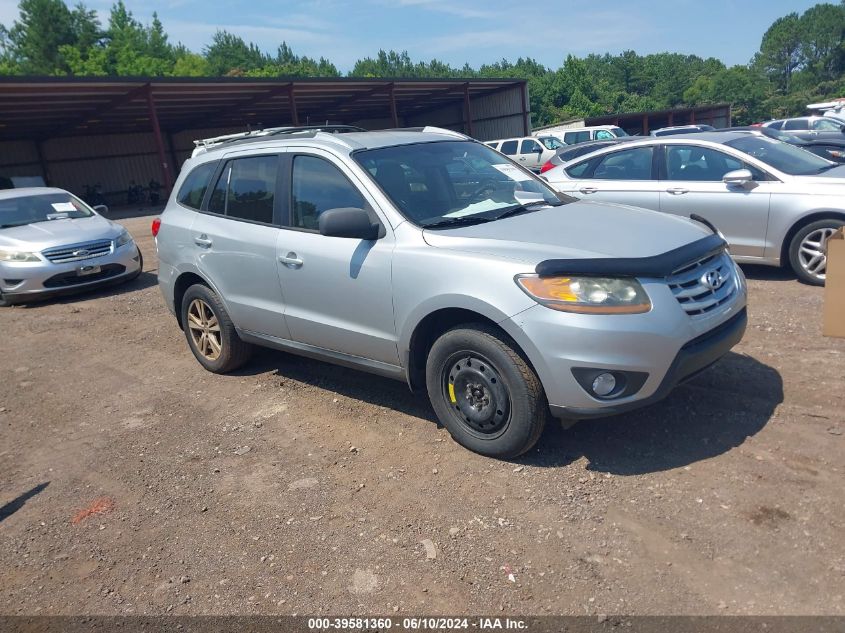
(775, 203)
(531, 152)
(573, 136)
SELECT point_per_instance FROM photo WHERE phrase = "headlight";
(123, 238)
(586, 295)
(18, 256)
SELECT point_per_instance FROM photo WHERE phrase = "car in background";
(776, 204)
(371, 251)
(571, 152)
(51, 242)
(831, 148)
(807, 127)
(681, 129)
(18, 182)
(529, 151)
(574, 136)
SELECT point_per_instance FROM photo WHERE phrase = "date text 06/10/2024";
(417, 624)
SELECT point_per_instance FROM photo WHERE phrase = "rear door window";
(571, 138)
(630, 164)
(246, 189)
(509, 148)
(796, 124)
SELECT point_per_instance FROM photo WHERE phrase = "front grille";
(690, 289)
(63, 280)
(78, 252)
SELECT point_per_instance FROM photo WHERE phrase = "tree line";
(801, 59)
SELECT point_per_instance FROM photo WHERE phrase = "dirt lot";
(297, 487)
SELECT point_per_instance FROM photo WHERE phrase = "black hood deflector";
(661, 265)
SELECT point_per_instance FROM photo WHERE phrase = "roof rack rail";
(203, 145)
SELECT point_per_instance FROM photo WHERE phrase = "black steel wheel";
(485, 392)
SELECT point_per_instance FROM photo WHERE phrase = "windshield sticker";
(64, 207)
(512, 172)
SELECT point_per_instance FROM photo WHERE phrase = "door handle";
(588, 190)
(203, 241)
(677, 191)
(291, 260)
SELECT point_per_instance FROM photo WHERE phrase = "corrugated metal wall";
(114, 161)
(495, 116)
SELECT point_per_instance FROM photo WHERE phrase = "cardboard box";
(834, 287)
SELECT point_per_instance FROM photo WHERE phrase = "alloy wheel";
(204, 329)
(811, 254)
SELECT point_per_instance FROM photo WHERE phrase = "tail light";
(155, 227)
(546, 167)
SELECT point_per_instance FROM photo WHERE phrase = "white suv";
(573, 136)
(530, 151)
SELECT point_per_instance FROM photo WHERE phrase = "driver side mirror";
(101, 209)
(349, 222)
(738, 177)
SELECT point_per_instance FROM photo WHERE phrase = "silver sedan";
(776, 204)
(53, 243)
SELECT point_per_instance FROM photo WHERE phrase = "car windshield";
(619, 132)
(782, 156)
(29, 209)
(551, 142)
(454, 182)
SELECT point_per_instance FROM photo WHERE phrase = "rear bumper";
(694, 357)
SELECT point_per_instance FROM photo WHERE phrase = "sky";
(474, 31)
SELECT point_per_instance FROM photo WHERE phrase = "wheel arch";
(803, 221)
(433, 325)
(184, 281)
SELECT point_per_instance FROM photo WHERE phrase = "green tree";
(229, 54)
(780, 50)
(34, 40)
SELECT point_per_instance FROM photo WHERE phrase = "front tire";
(210, 332)
(805, 250)
(484, 391)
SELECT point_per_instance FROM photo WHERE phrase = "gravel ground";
(135, 482)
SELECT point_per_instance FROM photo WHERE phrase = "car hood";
(577, 230)
(43, 235)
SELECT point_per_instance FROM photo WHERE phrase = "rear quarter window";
(193, 189)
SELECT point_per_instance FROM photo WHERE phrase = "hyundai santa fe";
(426, 256)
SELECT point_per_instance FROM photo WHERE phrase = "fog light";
(604, 384)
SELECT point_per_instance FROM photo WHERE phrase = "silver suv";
(425, 256)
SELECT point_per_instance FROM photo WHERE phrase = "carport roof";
(47, 107)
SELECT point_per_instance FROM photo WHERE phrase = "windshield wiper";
(522, 208)
(8, 226)
(467, 220)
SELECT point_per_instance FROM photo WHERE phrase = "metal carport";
(114, 130)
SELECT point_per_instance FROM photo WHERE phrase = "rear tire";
(210, 332)
(805, 250)
(484, 391)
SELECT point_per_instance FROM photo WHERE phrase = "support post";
(394, 113)
(173, 157)
(39, 152)
(692, 116)
(467, 112)
(526, 123)
(645, 125)
(294, 115)
(162, 157)
(671, 118)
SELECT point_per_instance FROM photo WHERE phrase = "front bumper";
(22, 282)
(657, 349)
(693, 358)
